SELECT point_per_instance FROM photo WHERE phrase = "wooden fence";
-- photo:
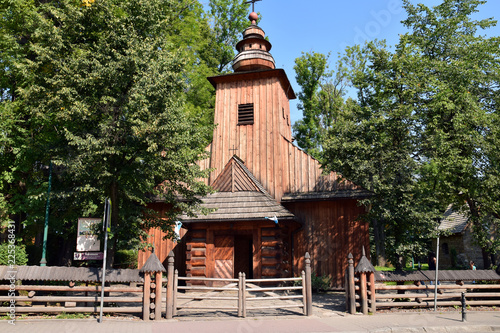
(79, 299)
(239, 292)
(146, 297)
(367, 290)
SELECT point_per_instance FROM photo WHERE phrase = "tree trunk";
(476, 219)
(379, 240)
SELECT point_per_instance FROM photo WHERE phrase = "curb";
(439, 329)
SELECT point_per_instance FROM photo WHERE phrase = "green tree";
(423, 130)
(321, 98)
(458, 107)
(100, 89)
(372, 143)
(208, 40)
(228, 22)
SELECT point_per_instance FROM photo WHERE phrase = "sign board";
(86, 239)
(88, 255)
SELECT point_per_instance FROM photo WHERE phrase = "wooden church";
(272, 202)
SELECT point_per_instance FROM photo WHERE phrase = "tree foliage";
(321, 98)
(423, 130)
(98, 88)
(228, 22)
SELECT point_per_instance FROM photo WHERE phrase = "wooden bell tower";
(252, 113)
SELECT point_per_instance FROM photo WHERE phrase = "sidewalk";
(482, 321)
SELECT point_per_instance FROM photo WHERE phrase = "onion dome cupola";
(253, 49)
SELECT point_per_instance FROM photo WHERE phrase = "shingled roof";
(84, 274)
(239, 197)
(453, 221)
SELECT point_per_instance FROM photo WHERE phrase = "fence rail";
(51, 300)
(244, 289)
(366, 294)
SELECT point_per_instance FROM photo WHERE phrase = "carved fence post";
(243, 294)
(309, 284)
(352, 293)
(152, 268)
(170, 285)
(365, 267)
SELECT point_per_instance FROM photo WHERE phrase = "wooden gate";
(235, 293)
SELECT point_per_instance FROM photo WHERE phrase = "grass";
(408, 268)
(65, 315)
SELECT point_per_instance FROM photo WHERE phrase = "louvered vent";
(245, 114)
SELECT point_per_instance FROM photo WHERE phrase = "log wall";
(211, 249)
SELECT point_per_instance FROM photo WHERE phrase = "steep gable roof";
(453, 221)
(239, 197)
(236, 178)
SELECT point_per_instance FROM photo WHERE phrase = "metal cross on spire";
(253, 4)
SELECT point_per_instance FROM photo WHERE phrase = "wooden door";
(224, 256)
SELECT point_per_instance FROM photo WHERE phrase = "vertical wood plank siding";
(330, 232)
(265, 146)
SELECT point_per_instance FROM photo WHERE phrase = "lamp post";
(43, 262)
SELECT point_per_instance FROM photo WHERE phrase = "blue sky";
(295, 26)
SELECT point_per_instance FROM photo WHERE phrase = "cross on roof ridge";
(253, 4)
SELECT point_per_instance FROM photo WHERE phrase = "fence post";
(158, 280)
(153, 265)
(373, 298)
(174, 304)
(240, 300)
(363, 293)
(170, 284)
(308, 284)
(464, 308)
(352, 294)
(363, 268)
(243, 295)
(304, 292)
(146, 296)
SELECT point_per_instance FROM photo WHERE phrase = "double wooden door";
(233, 254)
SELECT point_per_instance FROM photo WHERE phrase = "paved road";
(483, 321)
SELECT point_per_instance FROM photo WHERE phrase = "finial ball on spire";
(253, 17)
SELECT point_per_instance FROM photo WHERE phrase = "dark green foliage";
(98, 88)
(8, 255)
(423, 131)
(320, 283)
(126, 259)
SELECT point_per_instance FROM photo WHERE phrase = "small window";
(245, 114)
(287, 122)
(283, 112)
(445, 248)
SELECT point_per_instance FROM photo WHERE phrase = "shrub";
(126, 259)
(19, 255)
(320, 283)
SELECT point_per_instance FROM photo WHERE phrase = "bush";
(18, 257)
(320, 283)
(126, 259)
